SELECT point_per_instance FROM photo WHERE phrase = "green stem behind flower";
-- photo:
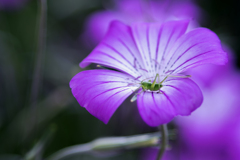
(164, 141)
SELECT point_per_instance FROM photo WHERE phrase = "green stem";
(164, 141)
(111, 143)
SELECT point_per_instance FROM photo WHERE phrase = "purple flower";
(131, 11)
(139, 53)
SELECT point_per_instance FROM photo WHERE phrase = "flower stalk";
(164, 141)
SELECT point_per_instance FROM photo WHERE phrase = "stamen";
(169, 71)
(156, 62)
(99, 66)
(137, 77)
(134, 98)
(144, 70)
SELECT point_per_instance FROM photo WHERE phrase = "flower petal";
(178, 96)
(155, 40)
(117, 50)
(101, 91)
(184, 94)
(199, 46)
(155, 109)
(148, 48)
(135, 49)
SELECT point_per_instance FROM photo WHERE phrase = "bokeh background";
(23, 122)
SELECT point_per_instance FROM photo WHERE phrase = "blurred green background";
(22, 124)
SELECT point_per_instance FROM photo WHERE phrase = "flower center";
(152, 86)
